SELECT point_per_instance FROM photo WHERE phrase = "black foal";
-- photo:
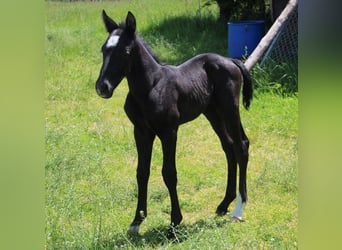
(162, 97)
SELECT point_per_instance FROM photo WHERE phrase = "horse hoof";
(133, 230)
(221, 212)
(236, 219)
(171, 233)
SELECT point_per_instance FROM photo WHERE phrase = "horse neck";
(140, 78)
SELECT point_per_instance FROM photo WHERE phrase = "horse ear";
(108, 22)
(130, 22)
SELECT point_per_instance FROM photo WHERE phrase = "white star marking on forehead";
(112, 41)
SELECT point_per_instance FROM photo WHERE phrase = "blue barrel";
(244, 36)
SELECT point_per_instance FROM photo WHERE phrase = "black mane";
(122, 26)
(148, 48)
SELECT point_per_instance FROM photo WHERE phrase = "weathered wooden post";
(273, 31)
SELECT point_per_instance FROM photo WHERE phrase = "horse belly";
(193, 102)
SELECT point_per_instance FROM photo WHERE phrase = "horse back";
(212, 73)
(200, 81)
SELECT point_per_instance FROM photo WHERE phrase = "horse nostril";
(104, 89)
(108, 84)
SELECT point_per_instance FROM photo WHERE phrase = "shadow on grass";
(157, 236)
(176, 39)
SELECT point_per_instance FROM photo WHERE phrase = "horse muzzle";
(104, 88)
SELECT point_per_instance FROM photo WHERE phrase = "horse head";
(116, 53)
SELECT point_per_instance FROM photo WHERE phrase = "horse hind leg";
(227, 146)
(226, 96)
(241, 151)
(240, 145)
(230, 194)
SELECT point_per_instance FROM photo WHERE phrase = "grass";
(278, 78)
(90, 152)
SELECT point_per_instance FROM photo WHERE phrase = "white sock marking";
(237, 213)
(133, 229)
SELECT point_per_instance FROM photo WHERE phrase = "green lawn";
(90, 152)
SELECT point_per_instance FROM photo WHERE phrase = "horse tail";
(247, 89)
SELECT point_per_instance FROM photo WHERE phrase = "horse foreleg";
(169, 173)
(144, 142)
